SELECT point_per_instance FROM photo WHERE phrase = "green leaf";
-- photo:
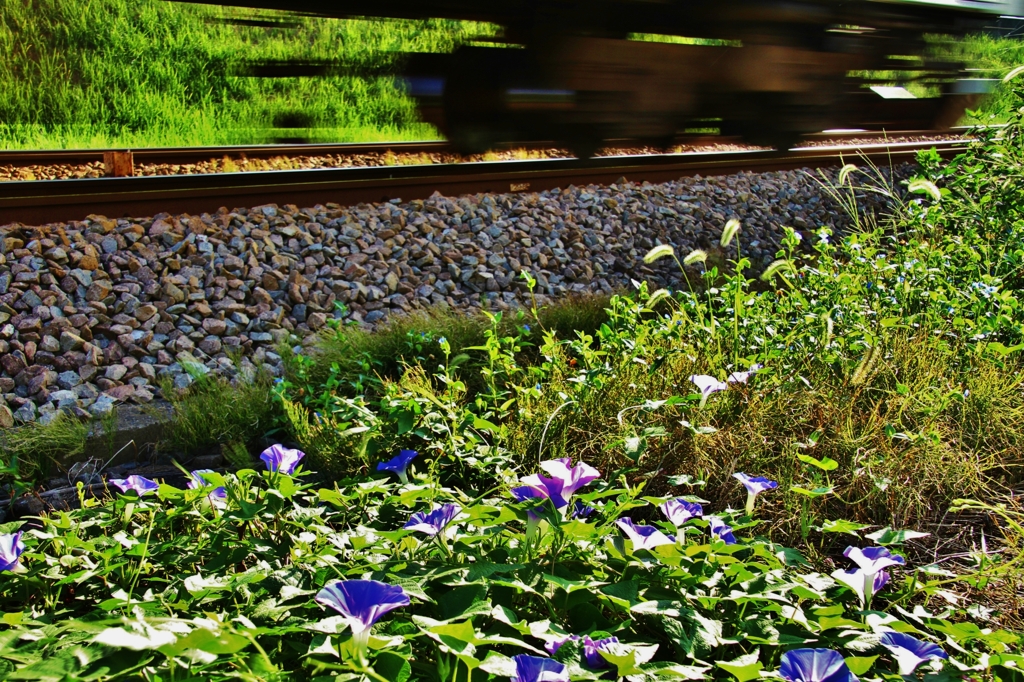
(685, 479)
(406, 419)
(463, 602)
(484, 425)
(498, 665)
(13, 619)
(623, 659)
(743, 668)
(211, 642)
(816, 492)
(888, 536)
(860, 665)
(825, 463)
(392, 667)
(842, 526)
(123, 639)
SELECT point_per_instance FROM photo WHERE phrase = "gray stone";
(70, 342)
(68, 380)
(26, 413)
(103, 405)
(214, 326)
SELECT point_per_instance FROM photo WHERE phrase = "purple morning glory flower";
(873, 559)
(680, 511)
(572, 477)
(741, 377)
(754, 486)
(643, 537)
(197, 481)
(707, 385)
(815, 665)
(540, 488)
(434, 521)
(721, 530)
(362, 603)
(538, 669)
(564, 481)
(399, 464)
(581, 511)
(592, 649)
(553, 645)
(910, 652)
(864, 584)
(282, 460)
(140, 484)
(11, 548)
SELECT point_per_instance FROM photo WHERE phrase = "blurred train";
(582, 72)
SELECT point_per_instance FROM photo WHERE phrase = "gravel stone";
(105, 308)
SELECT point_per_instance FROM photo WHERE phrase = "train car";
(582, 73)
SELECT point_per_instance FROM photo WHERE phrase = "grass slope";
(94, 73)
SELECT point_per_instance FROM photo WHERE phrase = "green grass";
(893, 355)
(28, 452)
(142, 73)
(87, 73)
(214, 413)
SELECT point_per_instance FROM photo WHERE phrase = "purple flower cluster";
(435, 521)
(197, 481)
(591, 648)
(643, 537)
(140, 484)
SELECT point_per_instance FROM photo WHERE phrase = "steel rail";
(184, 155)
(44, 201)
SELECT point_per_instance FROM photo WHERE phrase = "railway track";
(44, 201)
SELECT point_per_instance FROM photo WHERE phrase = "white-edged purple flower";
(435, 521)
(362, 603)
(815, 665)
(707, 385)
(754, 485)
(741, 377)
(140, 484)
(563, 482)
(553, 645)
(11, 548)
(572, 477)
(538, 669)
(864, 584)
(538, 487)
(871, 575)
(580, 510)
(721, 530)
(592, 651)
(680, 511)
(399, 464)
(197, 481)
(873, 559)
(910, 652)
(282, 460)
(643, 537)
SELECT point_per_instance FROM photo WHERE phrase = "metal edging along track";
(181, 155)
(43, 201)
(184, 155)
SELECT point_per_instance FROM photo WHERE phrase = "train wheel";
(469, 139)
